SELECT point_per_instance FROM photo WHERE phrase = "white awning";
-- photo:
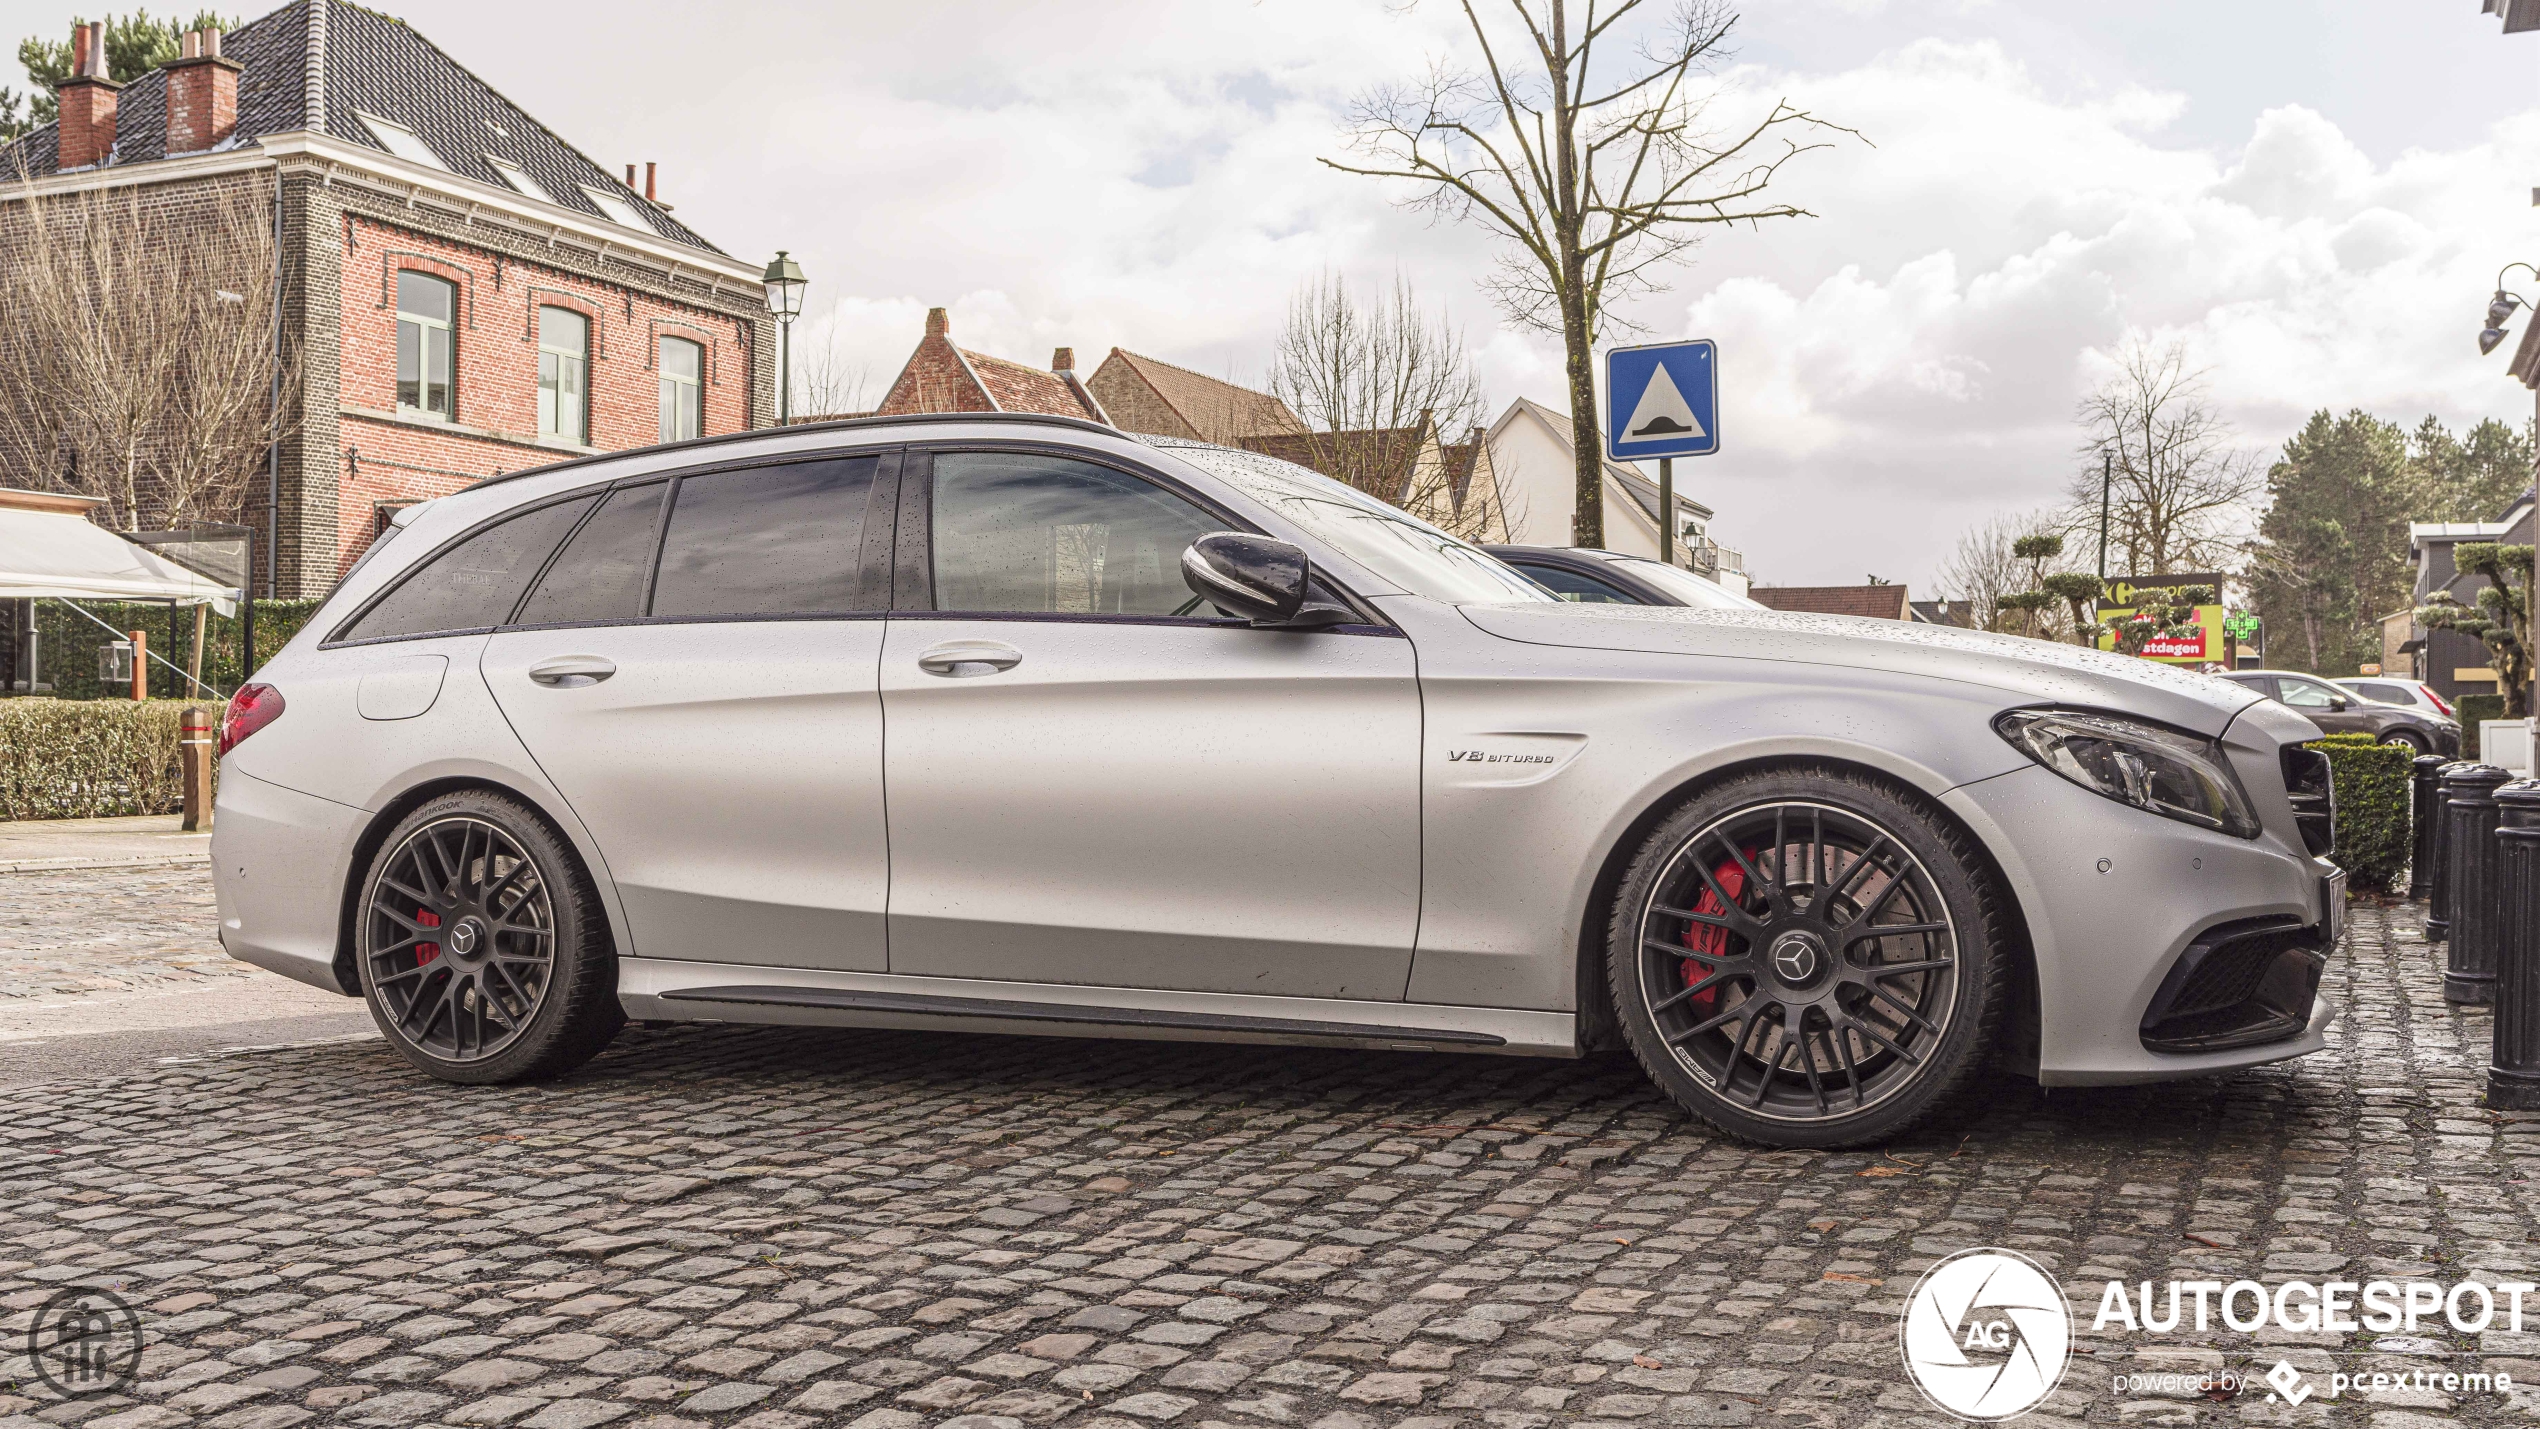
(52, 555)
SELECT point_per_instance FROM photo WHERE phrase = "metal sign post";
(1663, 401)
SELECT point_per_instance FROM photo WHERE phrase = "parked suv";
(2411, 694)
(2341, 711)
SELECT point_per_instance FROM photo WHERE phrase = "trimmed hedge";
(91, 759)
(2474, 708)
(2371, 781)
(70, 641)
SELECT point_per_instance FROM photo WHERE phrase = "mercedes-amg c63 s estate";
(1005, 724)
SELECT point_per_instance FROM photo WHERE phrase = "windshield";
(1411, 553)
(1685, 586)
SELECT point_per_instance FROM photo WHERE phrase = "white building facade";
(1530, 449)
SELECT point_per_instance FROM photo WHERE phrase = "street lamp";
(2500, 309)
(785, 299)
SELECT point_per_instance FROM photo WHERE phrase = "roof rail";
(842, 424)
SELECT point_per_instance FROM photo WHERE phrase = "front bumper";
(2114, 898)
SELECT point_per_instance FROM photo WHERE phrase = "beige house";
(1451, 485)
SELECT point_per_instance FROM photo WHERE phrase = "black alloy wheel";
(481, 949)
(1807, 958)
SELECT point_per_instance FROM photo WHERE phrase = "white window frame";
(426, 325)
(580, 435)
(689, 393)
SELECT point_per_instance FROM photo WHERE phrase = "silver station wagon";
(996, 724)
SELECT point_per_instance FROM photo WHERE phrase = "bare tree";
(1990, 568)
(1379, 386)
(1346, 366)
(2179, 489)
(827, 384)
(137, 356)
(1594, 160)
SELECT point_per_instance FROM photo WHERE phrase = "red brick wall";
(495, 337)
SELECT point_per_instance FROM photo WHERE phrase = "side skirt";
(660, 989)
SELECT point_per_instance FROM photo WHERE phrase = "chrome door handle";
(967, 659)
(571, 672)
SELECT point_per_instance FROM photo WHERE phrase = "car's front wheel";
(2409, 738)
(1809, 957)
(483, 952)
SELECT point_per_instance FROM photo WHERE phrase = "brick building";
(466, 292)
(1143, 394)
(940, 377)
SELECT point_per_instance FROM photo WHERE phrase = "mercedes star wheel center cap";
(1798, 957)
(464, 937)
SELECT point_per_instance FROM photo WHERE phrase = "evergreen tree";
(2472, 478)
(2331, 558)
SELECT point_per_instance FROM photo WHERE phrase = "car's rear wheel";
(2410, 738)
(1809, 957)
(483, 953)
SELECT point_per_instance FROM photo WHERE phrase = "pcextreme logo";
(1986, 1334)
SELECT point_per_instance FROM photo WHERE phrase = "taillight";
(2440, 703)
(251, 709)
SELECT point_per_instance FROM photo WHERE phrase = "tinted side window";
(777, 540)
(2387, 694)
(474, 584)
(1572, 586)
(600, 575)
(1024, 533)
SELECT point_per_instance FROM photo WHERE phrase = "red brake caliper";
(1710, 938)
(426, 952)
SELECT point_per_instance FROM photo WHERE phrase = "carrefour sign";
(2203, 643)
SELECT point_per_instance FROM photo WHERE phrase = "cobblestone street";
(777, 1228)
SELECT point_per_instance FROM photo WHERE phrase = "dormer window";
(519, 179)
(616, 209)
(400, 141)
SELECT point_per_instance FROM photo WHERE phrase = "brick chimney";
(86, 136)
(938, 323)
(202, 94)
(1063, 361)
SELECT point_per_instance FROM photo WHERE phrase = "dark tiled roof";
(378, 65)
(1886, 602)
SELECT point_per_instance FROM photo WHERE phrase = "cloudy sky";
(2315, 197)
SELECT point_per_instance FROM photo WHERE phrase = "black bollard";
(2438, 896)
(2513, 1065)
(2425, 777)
(2469, 838)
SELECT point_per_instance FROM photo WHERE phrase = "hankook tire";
(1809, 956)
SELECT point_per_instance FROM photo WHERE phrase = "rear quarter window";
(473, 583)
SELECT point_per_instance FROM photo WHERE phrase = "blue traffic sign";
(1662, 400)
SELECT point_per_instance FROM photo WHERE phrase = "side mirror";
(2340, 704)
(1261, 579)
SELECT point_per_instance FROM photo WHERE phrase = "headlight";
(2160, 771)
